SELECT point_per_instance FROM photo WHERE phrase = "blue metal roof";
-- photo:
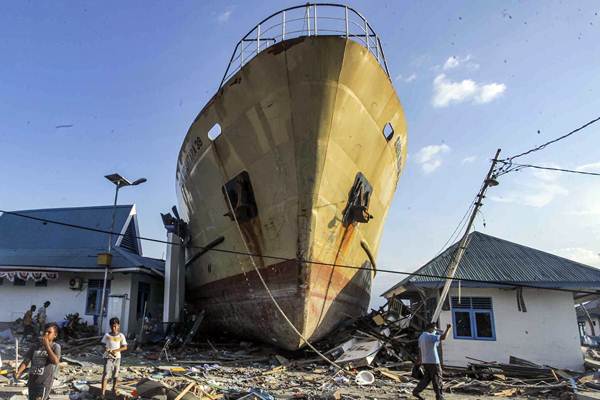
(29, 244)
(491, 259)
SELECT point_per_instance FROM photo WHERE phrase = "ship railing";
(316, 19)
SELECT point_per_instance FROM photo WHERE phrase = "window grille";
(473, 318)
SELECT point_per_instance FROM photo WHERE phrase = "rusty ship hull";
(301, 176)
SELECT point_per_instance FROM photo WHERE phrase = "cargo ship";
(290, 170)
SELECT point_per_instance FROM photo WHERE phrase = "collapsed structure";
(493, 312)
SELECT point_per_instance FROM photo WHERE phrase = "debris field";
(371, 358)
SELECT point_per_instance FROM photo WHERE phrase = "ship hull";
(301, 122)
(240, 305)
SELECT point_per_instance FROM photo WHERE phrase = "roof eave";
(507, 284)
(15, 268)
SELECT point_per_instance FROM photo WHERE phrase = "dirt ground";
(313, 382)
(228, 372)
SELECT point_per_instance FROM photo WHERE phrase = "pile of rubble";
(376, 354)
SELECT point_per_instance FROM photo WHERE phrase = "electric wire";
(454, 237)
(279, 258)
(518, 167)
(540, 147)
(458, 228)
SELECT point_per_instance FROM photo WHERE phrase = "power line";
(554, 140)
(516, 167)
(279, 258)
(458, 228)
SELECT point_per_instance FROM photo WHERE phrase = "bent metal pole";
(462, 245)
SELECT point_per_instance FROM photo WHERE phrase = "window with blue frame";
(94, 296)
(473, 318)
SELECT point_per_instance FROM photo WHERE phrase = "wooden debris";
(395, 375)
(275, 370)
(507, 392)
(282, 360)
(184, 391)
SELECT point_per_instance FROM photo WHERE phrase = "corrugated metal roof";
(491, 259)
(23, 233)
(30, 243)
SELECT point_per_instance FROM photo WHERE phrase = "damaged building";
(42, 261)
(493, 313)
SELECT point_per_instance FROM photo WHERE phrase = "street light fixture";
(119, 182)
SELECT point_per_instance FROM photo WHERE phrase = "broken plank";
(522, 361)
(392, 375)
(184, 391)
(507, 392)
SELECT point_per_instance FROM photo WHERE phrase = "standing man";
(115, 343)
(28, 322)
(41, 316)
(44, 357)
(428, 357)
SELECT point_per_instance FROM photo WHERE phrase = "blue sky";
(473, 76)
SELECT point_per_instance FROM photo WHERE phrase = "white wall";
(120, 286)
(15, 300)
(546, 334)
(155, 303)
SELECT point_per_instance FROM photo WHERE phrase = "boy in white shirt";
(115, 343)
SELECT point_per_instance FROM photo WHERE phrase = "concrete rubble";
(376, 353)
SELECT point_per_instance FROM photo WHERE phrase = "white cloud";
(586, 211)
(593, 167)
(468, 160)
(537, 192)
(538, 197)
(547, 175)
(579, 254)
(451, 62)
(430, 157)
(446, 91)
(455, 62)
(407, 79)
(543, 195)
(489, 92)
(224, 16)
(585, 203)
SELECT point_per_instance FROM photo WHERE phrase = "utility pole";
(462, 245)
(105, 259)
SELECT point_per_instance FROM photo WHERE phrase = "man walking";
(44, 357)
(429, 359)
(115, 343)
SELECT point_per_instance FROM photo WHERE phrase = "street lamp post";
(119, 182)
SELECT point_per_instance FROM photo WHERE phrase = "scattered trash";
(360, 353)
(376, 351)
(7, 336)
(364, 378)
(82, 386)
(340, 379)
(257, 394)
